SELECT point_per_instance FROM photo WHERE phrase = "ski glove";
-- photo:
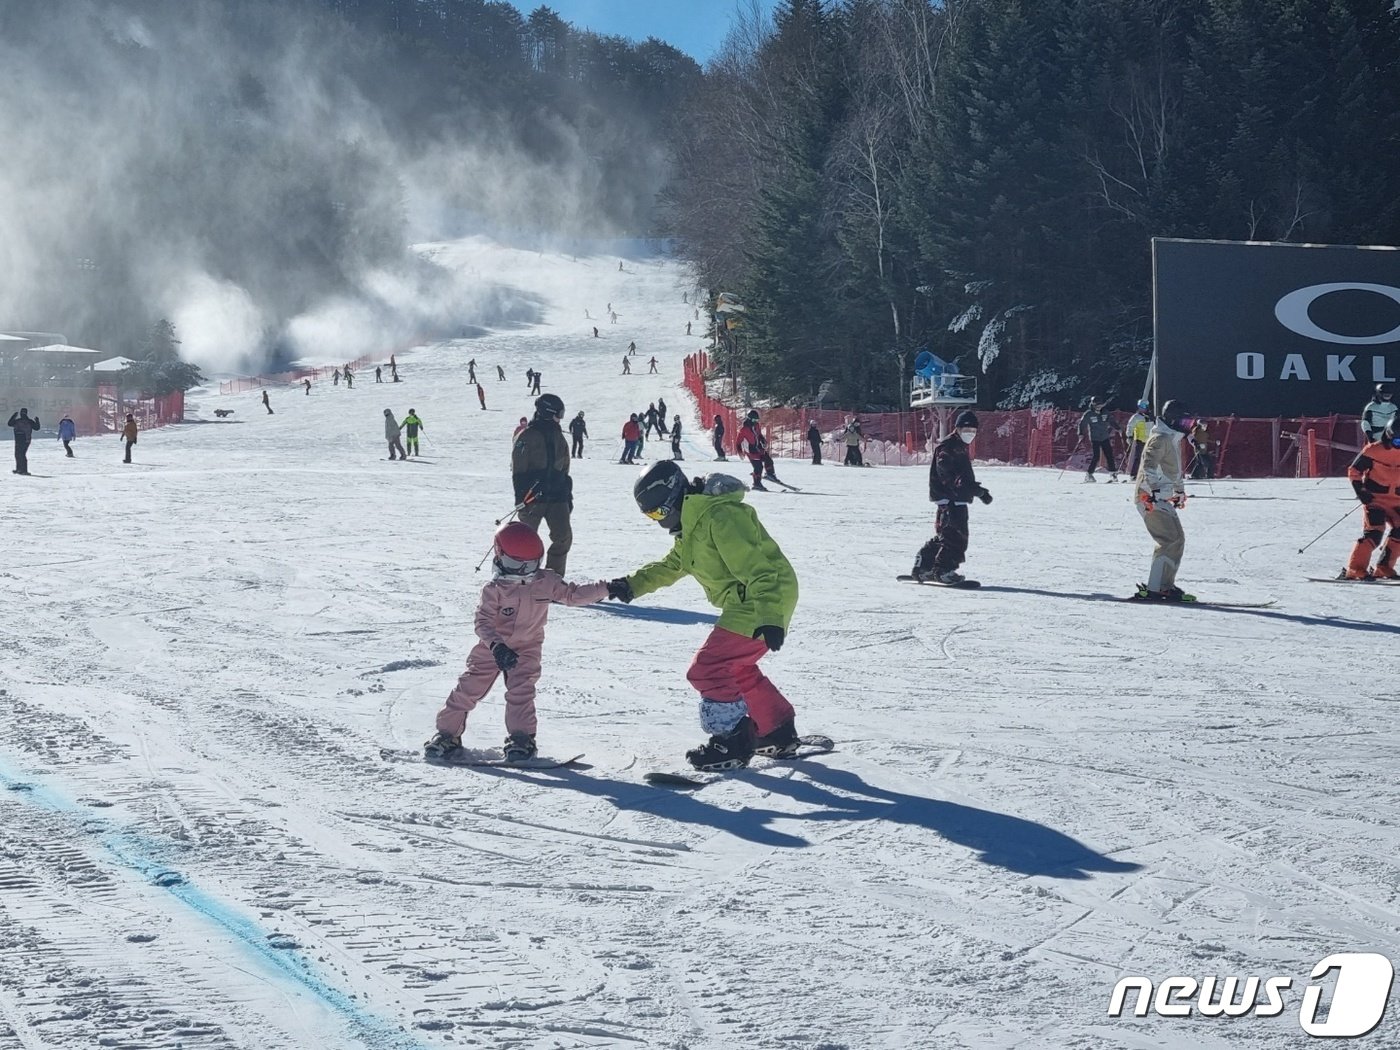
(505, 656)
(1364, 494)
(1178, 500)
(772, 637)
(620, 589)
(984, 495)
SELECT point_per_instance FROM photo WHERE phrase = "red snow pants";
(726, 669)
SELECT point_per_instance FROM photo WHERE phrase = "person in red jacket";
(631, 436)
(753, 444)
(1375, 477)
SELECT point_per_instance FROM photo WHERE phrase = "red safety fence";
(1242, 448)
(99, 408)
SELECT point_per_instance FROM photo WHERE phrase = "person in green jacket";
(720, 541)
(413, 424)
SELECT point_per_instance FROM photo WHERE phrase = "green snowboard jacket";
(730, 554)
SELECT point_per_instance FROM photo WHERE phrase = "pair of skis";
(970, 585)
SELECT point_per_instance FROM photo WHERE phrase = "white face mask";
(968, 436)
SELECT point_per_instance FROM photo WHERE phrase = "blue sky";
(694, 26)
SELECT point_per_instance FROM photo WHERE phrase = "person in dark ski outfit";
(650, 420)
(24, 426)
(471, 371)
(578, 430)
(266, 403)
(539, 467)
(1097, 426)
(814, 438)
(676, 438)
(719, 439)
(500, 374)
(952, 486)
(661, 415)
(535, 389)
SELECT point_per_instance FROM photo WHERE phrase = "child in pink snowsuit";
(510, 625)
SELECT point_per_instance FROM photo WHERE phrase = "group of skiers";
(24, 427)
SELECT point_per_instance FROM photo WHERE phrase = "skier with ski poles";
(413, 424)
(719, 540)
(952, 486)
(510, 625)
(753, 444)
(1375, 478)
(1097, 426)
(1160, 496)
(539, 462)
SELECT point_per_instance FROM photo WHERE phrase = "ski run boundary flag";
(1252, 328)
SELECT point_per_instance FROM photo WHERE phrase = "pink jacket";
(514, 610)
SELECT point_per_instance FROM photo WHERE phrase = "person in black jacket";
(539, 468)
(952, 486)
(814, 438)
(24, 426)
(719, 439)
(578, 429)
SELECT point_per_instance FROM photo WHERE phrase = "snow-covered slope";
(1035, 793)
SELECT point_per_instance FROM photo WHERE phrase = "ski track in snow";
(1033, 795)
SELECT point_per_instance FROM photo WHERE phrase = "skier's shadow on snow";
(658, 614)
(998, 839)
(1267, 614)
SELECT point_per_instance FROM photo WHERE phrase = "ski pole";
(529, 498)
(1325, 531)
(1072, 454)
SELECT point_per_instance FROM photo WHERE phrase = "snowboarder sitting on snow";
(510, 622)
(1375, 476)
(952, 486)
(1161, 492)
(720, 541)
(753, 444)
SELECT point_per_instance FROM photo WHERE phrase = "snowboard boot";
(1114, 478)
(1090, 478)
(441, 746)
(948, 576)
(782, 742)
(731, 751)
(1352, 574)
(1384, 571)
(758, 486)
(519, 747)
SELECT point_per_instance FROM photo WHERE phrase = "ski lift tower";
(939, 387)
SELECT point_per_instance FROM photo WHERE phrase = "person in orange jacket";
(1375, 477)
(129, 436)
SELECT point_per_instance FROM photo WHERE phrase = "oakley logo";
(1356, 1007)
(1292, 313)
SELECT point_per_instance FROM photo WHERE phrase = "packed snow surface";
(1036, 791)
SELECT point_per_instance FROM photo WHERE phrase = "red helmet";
(519, 549)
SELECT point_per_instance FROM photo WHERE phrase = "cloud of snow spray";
(221, 166)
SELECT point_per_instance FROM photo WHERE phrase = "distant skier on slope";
(719, 439)
(1135, 433)
(661, 414)
(67, 433)
(1161, 494)
(267, 404)
(1375, 477)
(481, 396)
(578, 430)
(24, 425)
(471, 371)
(307, 384)
(952, 486)
(720, 541)
(626, 366)
(1379, 411)
(814, 439)
(413, 424)
(510, 625)
(500, 374)
(652, 370)
(854, 437)
(676, 438)
(1097, 426)
(754, 445)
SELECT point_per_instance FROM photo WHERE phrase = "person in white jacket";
(1379, 411)
(1160, 496)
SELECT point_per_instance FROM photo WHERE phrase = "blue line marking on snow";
(138, 853)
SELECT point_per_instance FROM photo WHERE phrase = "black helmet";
(1382, 390)
(1175, 415)
(659, 493)
(550, 405)
(752, 417)
(966, 418)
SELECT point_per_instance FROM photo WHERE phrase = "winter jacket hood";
(726, 548)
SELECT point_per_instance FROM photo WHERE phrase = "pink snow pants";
(476, 681)
(726, 669)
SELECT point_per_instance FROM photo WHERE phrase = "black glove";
(620, 590)
(983, 495)
(1364, 494)
(772, 637)
(505, 656)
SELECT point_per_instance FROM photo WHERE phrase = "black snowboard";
(687, 781)
(966, 585)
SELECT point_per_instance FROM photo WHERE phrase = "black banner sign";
(1256, 329)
